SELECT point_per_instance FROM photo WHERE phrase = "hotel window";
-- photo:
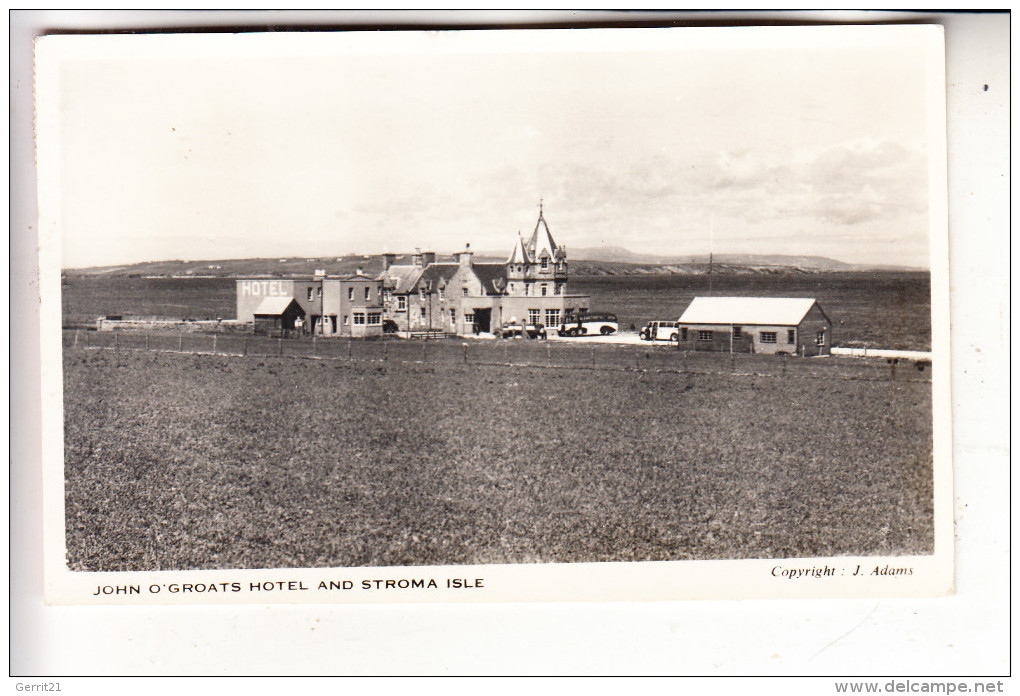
(401, 303)
(350, 294)
(441, 294)
(767, 337)
(552, 317)
(559, 288)
(453, 317)
(346, 318)
(318, 292)
(736, 332)
(359, 318)
(820, 338)
(469, 319)
(545, 263)
(534, 316)
(705, 335)
(368, 293)
(545, 290)
(374, 318)
(309, 293)
(464, 291)
(791, 336)
(422, 312)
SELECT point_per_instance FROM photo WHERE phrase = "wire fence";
(510, 353)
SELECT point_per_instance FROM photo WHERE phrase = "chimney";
(429, 257)
(464, 257)
(416, 258)
(388, 260)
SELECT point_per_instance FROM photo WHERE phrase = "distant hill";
(583, 261)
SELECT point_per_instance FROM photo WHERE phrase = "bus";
(588, 323)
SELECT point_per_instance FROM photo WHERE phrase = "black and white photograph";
(433, 316)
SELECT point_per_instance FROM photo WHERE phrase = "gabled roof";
(400, 279)
(492, 275)
(772, 311)
(434, 275)
(541, 240)
(519, 254)
(275, 306)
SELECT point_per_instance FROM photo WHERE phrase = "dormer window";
(545, 262)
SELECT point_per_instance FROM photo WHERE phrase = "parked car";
(589, 323)
(514, 330)
(660, 331)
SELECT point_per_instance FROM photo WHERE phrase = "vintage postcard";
(505, 315)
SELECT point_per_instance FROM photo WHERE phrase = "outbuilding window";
(401, 303)
(820, 338)
(704, 335)
(683, 333)
(791, 336)
(768, 337)
(736, 332)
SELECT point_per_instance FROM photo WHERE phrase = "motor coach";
(587, 324)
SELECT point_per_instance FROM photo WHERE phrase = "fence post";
(349, 353)
(385, 351)
(424, 350)
(75, 339)
(146, 341)
(86, 338)
(506, 352)
(465, 354)
(785, 359)
(548, 354)
(245, 349)
(685, 361)
(315, 347)
(180, 343)
(892, 369)
(279, 346)
(593, 356)
(733, 364)
(214, 344)
(116, 340)
(637, 359)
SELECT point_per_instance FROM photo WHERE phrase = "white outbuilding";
(775, 325)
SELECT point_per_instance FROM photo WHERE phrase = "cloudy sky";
(807, 141)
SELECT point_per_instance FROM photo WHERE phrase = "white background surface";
(966, 634)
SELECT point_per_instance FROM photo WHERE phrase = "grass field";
(186, 461)
(878, 310)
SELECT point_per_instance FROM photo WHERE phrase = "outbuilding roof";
(274, 306)
(772, 311)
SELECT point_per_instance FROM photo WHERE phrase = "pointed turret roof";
(541, 239)
(519, 254)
